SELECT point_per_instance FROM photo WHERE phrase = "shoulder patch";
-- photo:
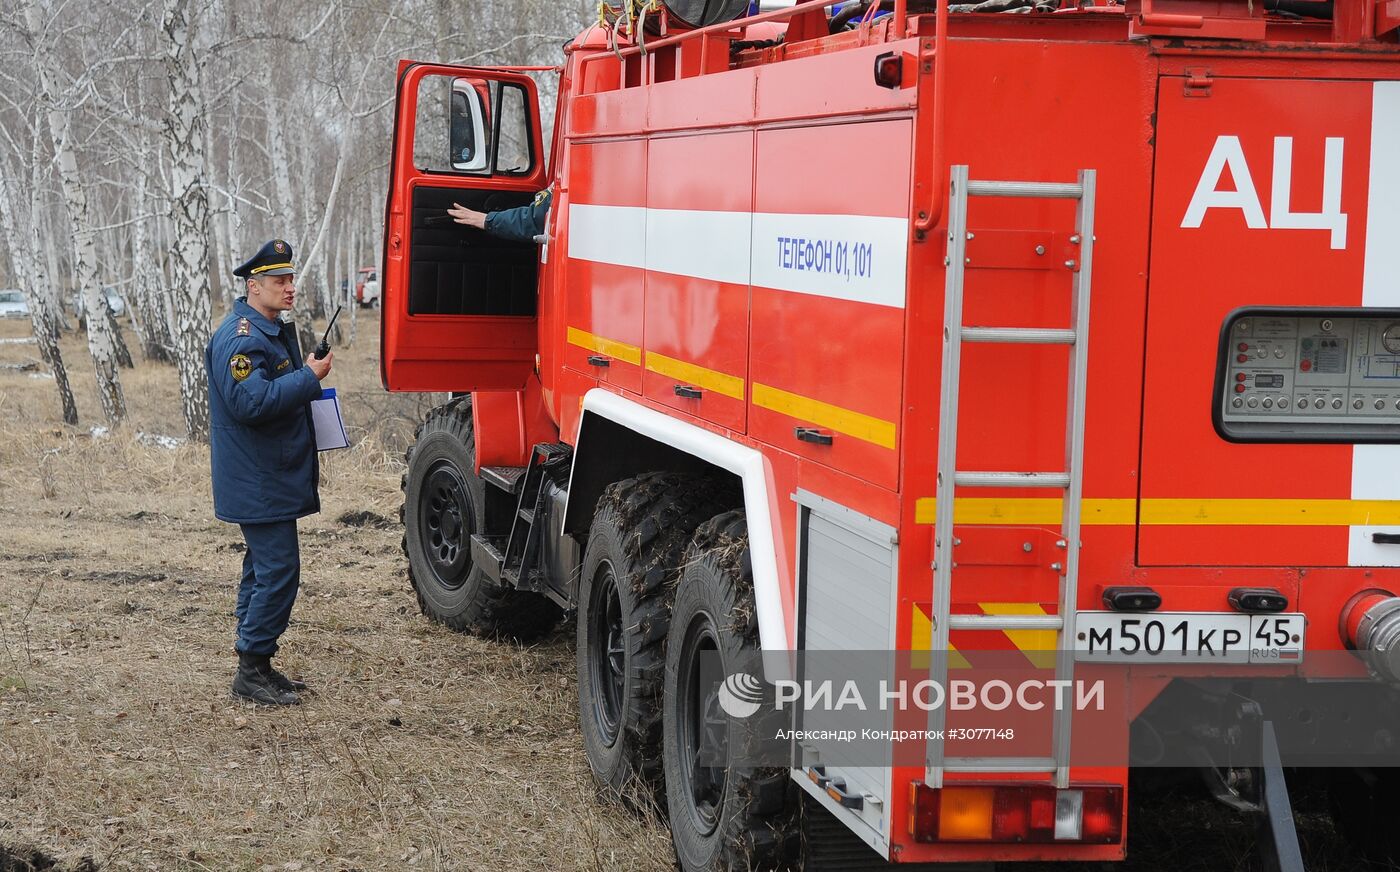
(540, 197)
(284, 364)
(244, 328)
(240, 366)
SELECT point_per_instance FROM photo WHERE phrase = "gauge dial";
(1391, 338)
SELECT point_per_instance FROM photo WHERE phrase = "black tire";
(444, 504)
(734, 816)
(635, 546)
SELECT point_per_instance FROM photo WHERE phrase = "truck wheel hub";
(703, 728)
(607, 662)
(445, 512)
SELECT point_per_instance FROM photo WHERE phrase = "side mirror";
(468, 126)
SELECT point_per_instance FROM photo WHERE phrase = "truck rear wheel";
(732, 816)
(639, 535)
(444, 504)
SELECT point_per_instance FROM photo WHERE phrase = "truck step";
(486, 553)
(507, 478)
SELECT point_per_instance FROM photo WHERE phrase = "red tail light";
(1016, 813)
(1103, 816)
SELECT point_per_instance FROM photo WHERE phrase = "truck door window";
(513, 156)
(436, 129)
(470, 126)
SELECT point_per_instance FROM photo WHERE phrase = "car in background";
(114, 302)
(13, 304)
(367, 290)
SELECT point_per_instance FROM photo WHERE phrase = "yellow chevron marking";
(699, 376)
(1037, 645)
(921, 645)
(845, 421)
(611, 347)
(1170, 512)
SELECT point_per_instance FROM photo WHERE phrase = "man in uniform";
(263, 452)
(521, 224)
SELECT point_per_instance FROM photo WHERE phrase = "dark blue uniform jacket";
(262, 446)
(523, 223)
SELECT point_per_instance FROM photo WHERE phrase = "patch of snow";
(159, 440)
(100, 432)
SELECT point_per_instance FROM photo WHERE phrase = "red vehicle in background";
(367, 287)
(1071, 336)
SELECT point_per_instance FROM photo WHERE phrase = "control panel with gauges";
(1309, 375)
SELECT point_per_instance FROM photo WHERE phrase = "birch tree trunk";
(29, 275)
(354, 279)
(148, 310)
(43, 263)
(286, 203)
(54, 291)
(60, 118)
(312, 264)
(351, 273)
(184, 139)
(113, 327)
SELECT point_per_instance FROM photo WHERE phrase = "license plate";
(1189, 637)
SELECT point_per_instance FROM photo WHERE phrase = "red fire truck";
(1073, 332)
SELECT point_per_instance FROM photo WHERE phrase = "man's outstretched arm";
(521, 224)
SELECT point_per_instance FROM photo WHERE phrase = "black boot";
(289, 684)
(255, 682)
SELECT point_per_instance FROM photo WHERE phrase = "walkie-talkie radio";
(325, 347)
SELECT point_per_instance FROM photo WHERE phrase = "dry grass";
(118, 739)
(421, 749)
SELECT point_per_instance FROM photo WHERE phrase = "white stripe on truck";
(861, 258)
(1375, 469)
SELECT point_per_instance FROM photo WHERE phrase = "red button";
(1239, 389)
(1239, 376)
(1305, 365)
(1244, 346)
(1243, 358)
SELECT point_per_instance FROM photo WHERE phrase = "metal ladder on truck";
(950, 478)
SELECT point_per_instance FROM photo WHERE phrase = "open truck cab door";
(459, 305)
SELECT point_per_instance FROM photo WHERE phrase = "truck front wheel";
(444, 505)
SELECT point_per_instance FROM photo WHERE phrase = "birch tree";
(150, 315)
(29, 274)
(155, 143)
(60, 117)
(184, 140)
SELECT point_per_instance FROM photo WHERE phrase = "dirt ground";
(118, 739)
(120, 747)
